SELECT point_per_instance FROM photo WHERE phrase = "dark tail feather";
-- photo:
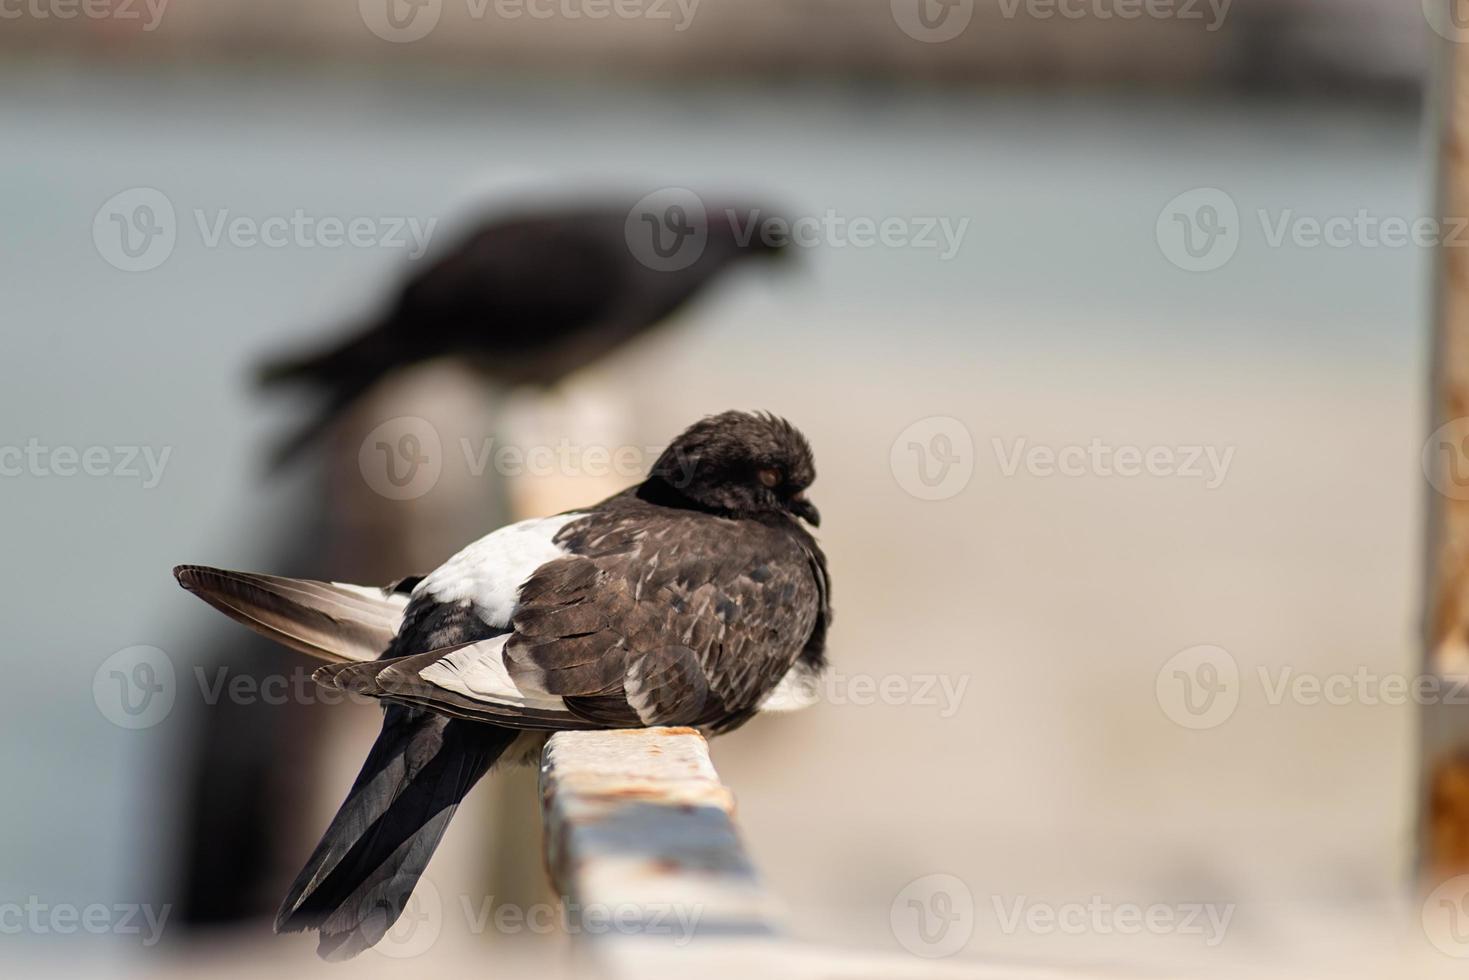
(323, 619)
(343, 373)
(288, 449)
(364, 351)
(285, 370)
(360, 877)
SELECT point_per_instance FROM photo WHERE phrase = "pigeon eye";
(769, 477)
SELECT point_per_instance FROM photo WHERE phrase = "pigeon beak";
(804, 508)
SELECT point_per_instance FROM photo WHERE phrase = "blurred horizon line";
(1349, 48)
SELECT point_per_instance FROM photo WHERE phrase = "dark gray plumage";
(688, 599)
(669, 615)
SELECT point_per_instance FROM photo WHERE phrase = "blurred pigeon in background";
(530, 298)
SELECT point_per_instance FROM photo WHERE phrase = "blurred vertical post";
(1444, 745)
(456, 417)
(500, 458)
(550, 439)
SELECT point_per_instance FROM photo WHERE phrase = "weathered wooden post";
(1444, 763)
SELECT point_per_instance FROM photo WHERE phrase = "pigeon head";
(741, 463)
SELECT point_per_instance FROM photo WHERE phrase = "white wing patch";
(396, 601)
(797, 689)
(478, 672)
(490, 572)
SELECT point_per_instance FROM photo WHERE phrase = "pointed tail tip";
(192, 577)
(327, 676)
(338, 947)
(280, 370)
(332, 946)
(284, 920)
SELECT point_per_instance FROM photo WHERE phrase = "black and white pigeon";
(696, 597)
(526, 300)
